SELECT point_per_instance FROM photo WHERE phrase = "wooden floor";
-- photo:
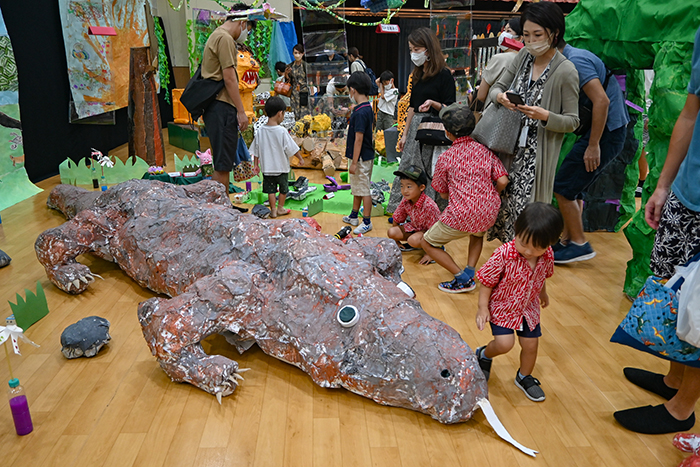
(120, 409)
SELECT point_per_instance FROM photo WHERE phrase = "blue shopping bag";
(651, 323)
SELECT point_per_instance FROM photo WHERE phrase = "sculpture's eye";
(348, 316)
(445, 373)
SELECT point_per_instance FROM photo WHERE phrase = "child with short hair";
(472, 178)
(272, 148)
(512, 290)
(416, 206)
(388, 98)
(282, 70)
(360, 151)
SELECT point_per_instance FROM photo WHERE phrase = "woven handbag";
(431, 131)
(498, 129)
(283, 89)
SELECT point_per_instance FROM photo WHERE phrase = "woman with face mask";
(499, 63)
(432, 88)
(548, 85)
(300, 88)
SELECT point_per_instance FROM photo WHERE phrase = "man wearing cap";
(416, 213)
(226, 114)
(464, 174)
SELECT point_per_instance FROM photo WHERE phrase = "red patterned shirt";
(423, 214)
(467, 171)
(516, 286)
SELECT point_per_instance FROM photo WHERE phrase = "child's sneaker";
(484, 363)
(530, 386)
(455, 286)
(354, 221)
(363, 229)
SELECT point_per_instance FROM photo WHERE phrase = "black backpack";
(374, 89)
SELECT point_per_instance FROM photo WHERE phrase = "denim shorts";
(572, 179)
(501, 331)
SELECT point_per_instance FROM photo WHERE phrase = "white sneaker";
(354, 221)
(363, 229)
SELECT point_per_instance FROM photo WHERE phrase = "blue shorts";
(572, 179)
(501, 331)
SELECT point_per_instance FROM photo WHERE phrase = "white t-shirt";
(387, 102)
(273, 146)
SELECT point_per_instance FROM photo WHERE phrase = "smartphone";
(515, 98)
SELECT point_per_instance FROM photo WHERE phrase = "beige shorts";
(440, 234)
(359, 182)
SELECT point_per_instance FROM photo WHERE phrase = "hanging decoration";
(306, 5)
(259, 43)
(163, 66)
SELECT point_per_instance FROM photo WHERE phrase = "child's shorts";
(440, 234)
(360, 180)
(271, 182)
(501, 331)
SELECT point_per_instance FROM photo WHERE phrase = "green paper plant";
(29, 311)
(78, 173)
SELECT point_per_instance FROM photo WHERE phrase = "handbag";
(200, 93)
(652, 321)
(431, 131)
(689, 305)
(283, 89)
(244, 169)
(498, 129)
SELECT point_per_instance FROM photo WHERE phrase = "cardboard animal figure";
(248, 79)
(279, 284)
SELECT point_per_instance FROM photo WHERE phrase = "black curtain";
(379, 51)
(44, 92)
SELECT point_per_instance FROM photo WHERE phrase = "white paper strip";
(498, 427)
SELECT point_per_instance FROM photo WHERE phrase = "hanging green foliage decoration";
(163, 67)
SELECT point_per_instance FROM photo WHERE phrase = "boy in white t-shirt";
(272, 148)
(388, 97)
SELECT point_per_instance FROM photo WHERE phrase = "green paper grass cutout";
(32, 310)
(182, 162)
(315, 207)
(79, 173)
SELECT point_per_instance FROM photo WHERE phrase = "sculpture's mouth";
(250, 77)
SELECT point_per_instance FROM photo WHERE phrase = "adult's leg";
(682, 405)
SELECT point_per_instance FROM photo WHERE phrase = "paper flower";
(105, 161)
(267, 10)
(95, 153)
(13, 333)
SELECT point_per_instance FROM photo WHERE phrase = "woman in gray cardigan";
(548, 84)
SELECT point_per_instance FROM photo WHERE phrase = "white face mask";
(503, 36)
(538, 49)
(418, 58)
(387, 86)
(244, 34)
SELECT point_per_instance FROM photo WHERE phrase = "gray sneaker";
(530, 386)
(354, 221)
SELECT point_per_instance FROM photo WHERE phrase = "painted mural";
(14, 182)
(98, 65)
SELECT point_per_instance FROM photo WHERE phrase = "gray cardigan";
(560, 97)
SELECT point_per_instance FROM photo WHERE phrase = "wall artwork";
(14, 182)
(98, 65)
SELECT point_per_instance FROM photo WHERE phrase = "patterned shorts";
(677, 239)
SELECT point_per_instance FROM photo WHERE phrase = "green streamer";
(305, 5)
(163, 68)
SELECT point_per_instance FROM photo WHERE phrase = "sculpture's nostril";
(445, 373)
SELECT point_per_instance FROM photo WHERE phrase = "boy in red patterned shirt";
(512, 290)
(465, 174)
(416, 205)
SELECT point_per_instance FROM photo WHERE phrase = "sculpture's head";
(247, 68)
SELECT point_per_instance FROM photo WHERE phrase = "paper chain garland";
(306, 5)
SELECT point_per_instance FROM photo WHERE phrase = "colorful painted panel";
(14, 183)
(98, 65)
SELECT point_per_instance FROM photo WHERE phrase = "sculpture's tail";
(498, 427)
